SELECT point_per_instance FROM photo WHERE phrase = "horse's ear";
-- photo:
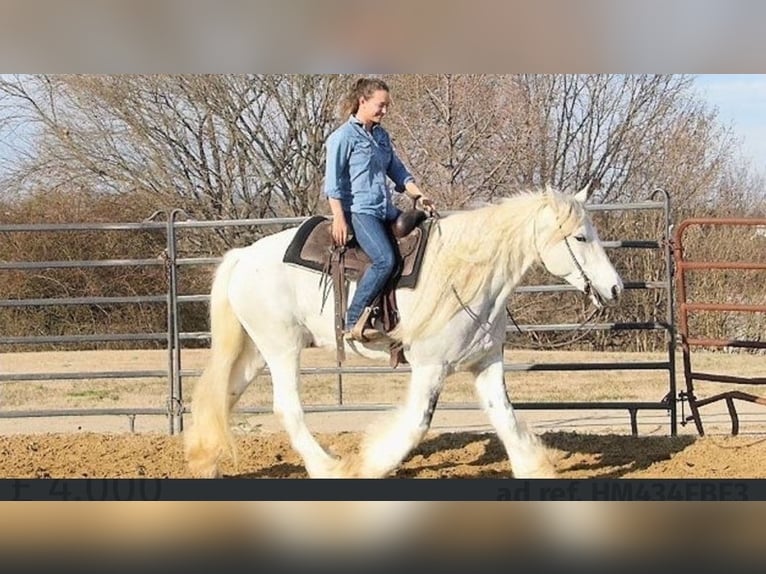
(583, 195)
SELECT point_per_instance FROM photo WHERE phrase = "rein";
(587, 291)
(470, 312)
(596, 311)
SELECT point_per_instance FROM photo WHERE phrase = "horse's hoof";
(203, 471)
(332, 468)
(544, 469)
(338, 468)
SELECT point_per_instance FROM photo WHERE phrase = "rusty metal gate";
(691, 340)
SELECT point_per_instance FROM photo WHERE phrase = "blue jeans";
(372, 236)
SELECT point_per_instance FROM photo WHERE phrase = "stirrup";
(365, 336)
(360, 332)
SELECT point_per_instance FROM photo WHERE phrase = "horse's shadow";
(614, 456)
(279, 470)
(579, 456)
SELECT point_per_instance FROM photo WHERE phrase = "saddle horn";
(407, 221)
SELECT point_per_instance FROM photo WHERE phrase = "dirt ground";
(459, 445)
(447, 455)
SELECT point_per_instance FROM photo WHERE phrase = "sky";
(741, 103)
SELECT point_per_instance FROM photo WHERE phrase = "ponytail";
(363, 87)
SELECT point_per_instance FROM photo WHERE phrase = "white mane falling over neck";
(473, 252)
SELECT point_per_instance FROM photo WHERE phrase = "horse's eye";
(580, 238)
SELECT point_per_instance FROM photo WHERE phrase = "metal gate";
(690, 340)
(174, 336)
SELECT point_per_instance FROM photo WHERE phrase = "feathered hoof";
(202, 465)
(541, 468)
(337, 468)
(543, 471)
(203, 470)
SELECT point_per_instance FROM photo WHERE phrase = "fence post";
(667, 243)
(174, 339)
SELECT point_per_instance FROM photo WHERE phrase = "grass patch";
(95, 394)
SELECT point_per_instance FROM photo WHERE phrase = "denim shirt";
(357, 165)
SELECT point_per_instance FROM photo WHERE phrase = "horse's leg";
(285, 372)
(526, 452)
(249, 365)
(220, 387)
(384, 448)
(270, 321)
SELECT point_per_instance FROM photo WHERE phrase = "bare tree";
(253, 145)
(478, 137)
(450, 141)
(217, 146)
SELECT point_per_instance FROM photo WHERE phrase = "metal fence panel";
(174, 336)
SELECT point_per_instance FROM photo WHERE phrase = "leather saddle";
(313, 248)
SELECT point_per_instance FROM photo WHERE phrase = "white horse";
(264, 312)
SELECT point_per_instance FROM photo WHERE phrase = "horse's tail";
(209, 438)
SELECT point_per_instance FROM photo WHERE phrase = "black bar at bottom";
(97, 489)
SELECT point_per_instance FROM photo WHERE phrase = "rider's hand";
(427, 205)
(339, 231)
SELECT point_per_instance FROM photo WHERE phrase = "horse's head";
(573, 250)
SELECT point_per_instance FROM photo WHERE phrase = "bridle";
(586, 280)
(587, 290)
(588, 284)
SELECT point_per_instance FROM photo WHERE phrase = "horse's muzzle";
(603, 301)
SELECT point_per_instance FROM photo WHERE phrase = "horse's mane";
(470, 252)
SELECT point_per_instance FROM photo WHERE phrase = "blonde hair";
(472, 249)
(362, 88)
